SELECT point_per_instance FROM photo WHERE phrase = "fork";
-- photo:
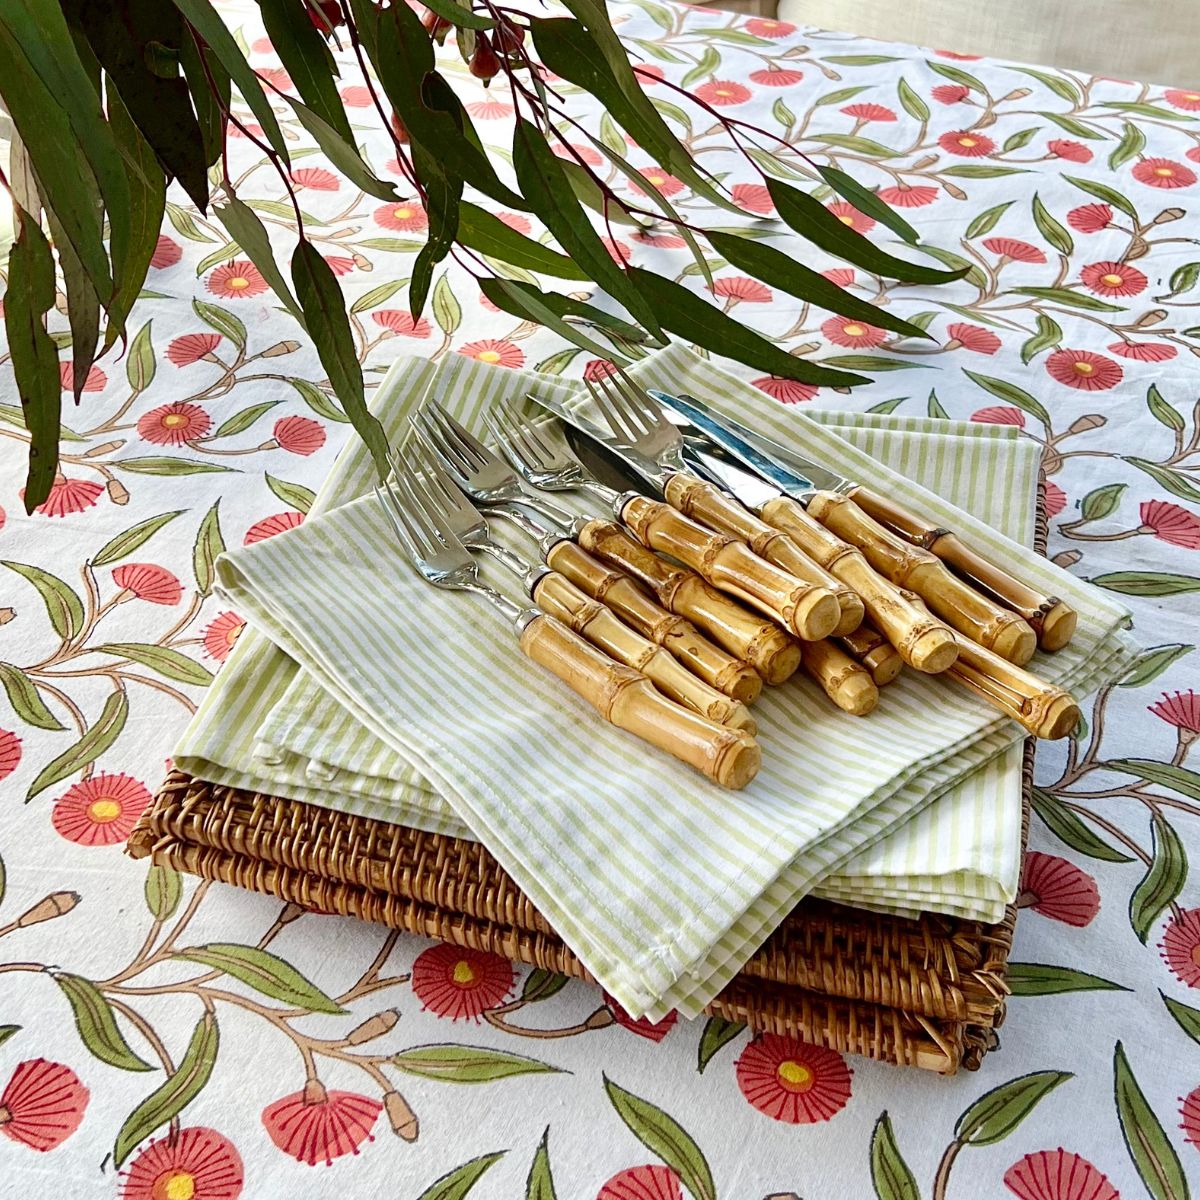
(622, 695)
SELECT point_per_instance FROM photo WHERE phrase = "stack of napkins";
(361, 688)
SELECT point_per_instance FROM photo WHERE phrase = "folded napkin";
(661, 883)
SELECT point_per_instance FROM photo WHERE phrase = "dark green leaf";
(482, 231)
(97, 1023)
(98, 738)
(544, 308)
(1163, 880)
(1186, 1017)
(1132, 143)
(541, 985)
(454, 1185)
(1145, 1139)
(1163, 412)
(1151, 663)
(717, 1032)
(1042, 979)
(987, 220)
(1002, 389)
(241, 421)
(139, 360)
(264, 972)
(164, 464)
(163, 890)
(1147, 583)
(6, 1031)
(26, 700)
(1176, 482)
(63, 606)
(163, 660)
(866, 201)
(83, 307)
(249, 232)
(307, 60)
(1183, 279)
(453, 1063)
(889, 1172)
(461, 16)
(1069, 828)
(1103, 192)
(1051, 229)
(204, 74)
(1101, 502)
(127, 542)
(209, 544)
(540, 1183)
(1049, 333)
(342, 153)
(294, 495)
(997, 1113)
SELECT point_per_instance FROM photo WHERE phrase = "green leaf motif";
(1043, 979)
(541, 985)
(227, 324)
(1101, 502)
(889, 1172)
(453, 1063)
(139, 361)
(1055, 233)
(209, 544)
(163, 891)
(6, 1031)
(163, 660)
(97, 1023)
(1163, 412)
(1183, 279)
(447, 311)
(1049, 333)
(1164, 879)
(935, 408)
(997, 1113)
(318, 401)
(63, 606)
(1132, 143)
(1067, 298)
(1147, 583)
(264, 972)
(454, 1185)
(1186, 1017)
(1149, 1147)
(98, 738)
(241, 421)
(663, 1136)
(987, 220)
(1151, 663)
(717, 1033)
(26, 700)
(911, 102)
(131, 539)
(294, 495)
(1176, 482)
(540, 1183)
(1070, 829)
(1002, 389)
(164, 464)
(1103, 192)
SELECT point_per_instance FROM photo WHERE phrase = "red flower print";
(1016, 250)
(148, 581)
(956, 56)
(786, 391)
(68, 496)
(96, 380)
(1000, 414)
(966, 143)
(1171, 523)
(250, 129)
(854, 335)
(755, 197)
(316, 178)
(903, 196)
(299, 435)
(276, 76)
(791, 1081)
(720, 92)
(648, 74)
(653, 1031)
(1056, 499)
(174, 424)
(667, 184)
(315, 1125)
(598, 368)
(950, 93)
(356, 97)
(1144, 351)
(1085, 370)
(10, 752)
(842, 276)
(1090, 218)
(236, 279)
(974, 338)
(1113, 279)
(587, 154)
(1070, 151)
(406, 217)
(192, 347)
(1057, 1175)
(42, 1104)
(1180, 945)
(199, 1164)
(739, 288)
(1058, 889)
(1194, 154)
(262, 45)
(617, 251)
(849, 215)
(659, 238)
(1181, 710)
(484, 302)
(100, 811)
(221, 634)
(761, 27)
(869, 112)
(498, 353)
(1190, 1112)
(167, 252)
(515, 221)
(776, 77)
(398, 321)
(643, 1183)
(1188, 101)
(490, 110)
(1163, 173)
(455, 982)
(339, 264)
(268, 527)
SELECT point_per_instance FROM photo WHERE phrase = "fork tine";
(466, 442)
(422, 530)
(434, 513)
(428, 428)
(639, 403)
(629, 403)
(610, 412)
(440, 480)
(391, 506)
(514, 442)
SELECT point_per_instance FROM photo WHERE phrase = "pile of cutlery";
(668, 615)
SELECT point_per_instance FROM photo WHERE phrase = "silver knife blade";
(606, 465)
(747, 487)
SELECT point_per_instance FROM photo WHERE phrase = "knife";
(855, 512)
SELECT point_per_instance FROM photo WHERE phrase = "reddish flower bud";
(437, 27)
(399, 130)
(329, 17)
(509, 37)
(485, 64)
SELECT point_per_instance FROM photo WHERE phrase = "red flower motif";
(401, 322)
(1085, 370)
(667, 184)
(268, 527)
(276, 76)
(68, 496)
(316, 178)
(792, 1081)
(406, 217)
(956, 56)
(96, 380)
(967, 144)
(1171, 523)
(849, 215)
(1194, 154)
(1057, 1175)
(903, 196)
(974, 338)
(854, 335)
(1113, 279)
(250, 128)
(490, 110)
(1056, 499)
(598, 368)
(356, 97)
(1180, 946)
(1188, 101)
(497, 352)
(1181, 710)
(643, 1183)
(299, 435)
(455, 982)
(315, 1125)
(658, 238)
(1000, 414)
(339, 264)
(192, 347)
(515, 221)
(262, 45)
(648, 74)
(776, 77)
(755, 197)
(221, 634)
(1018, 251)
(175, 423)
(1163, 173)
(740, 288)
(786, 391)
(100, 811)
(1065, 148)
(167, 252)
(950, 93)
(236, 279)
(587, 154)
(1144, 351)
(10, 752)
(1058, 889)
(1190, 1112)
(148, 581)
(761, 27)
(199, 1164)
(653, 1031)
(869, 112)
(42, 1105)
(1090, 218)
(842, 276)
(721, 92)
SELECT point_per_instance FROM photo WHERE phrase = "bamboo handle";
(762, 644)
(1052, 620)
(626, 698)
(844, 681)
(866, 645)
(720, 511)
(923, 642)
(560, 598)
(619, 592)
(957, 603)
(733, 567)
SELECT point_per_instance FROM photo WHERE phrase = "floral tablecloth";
(168, 1040)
